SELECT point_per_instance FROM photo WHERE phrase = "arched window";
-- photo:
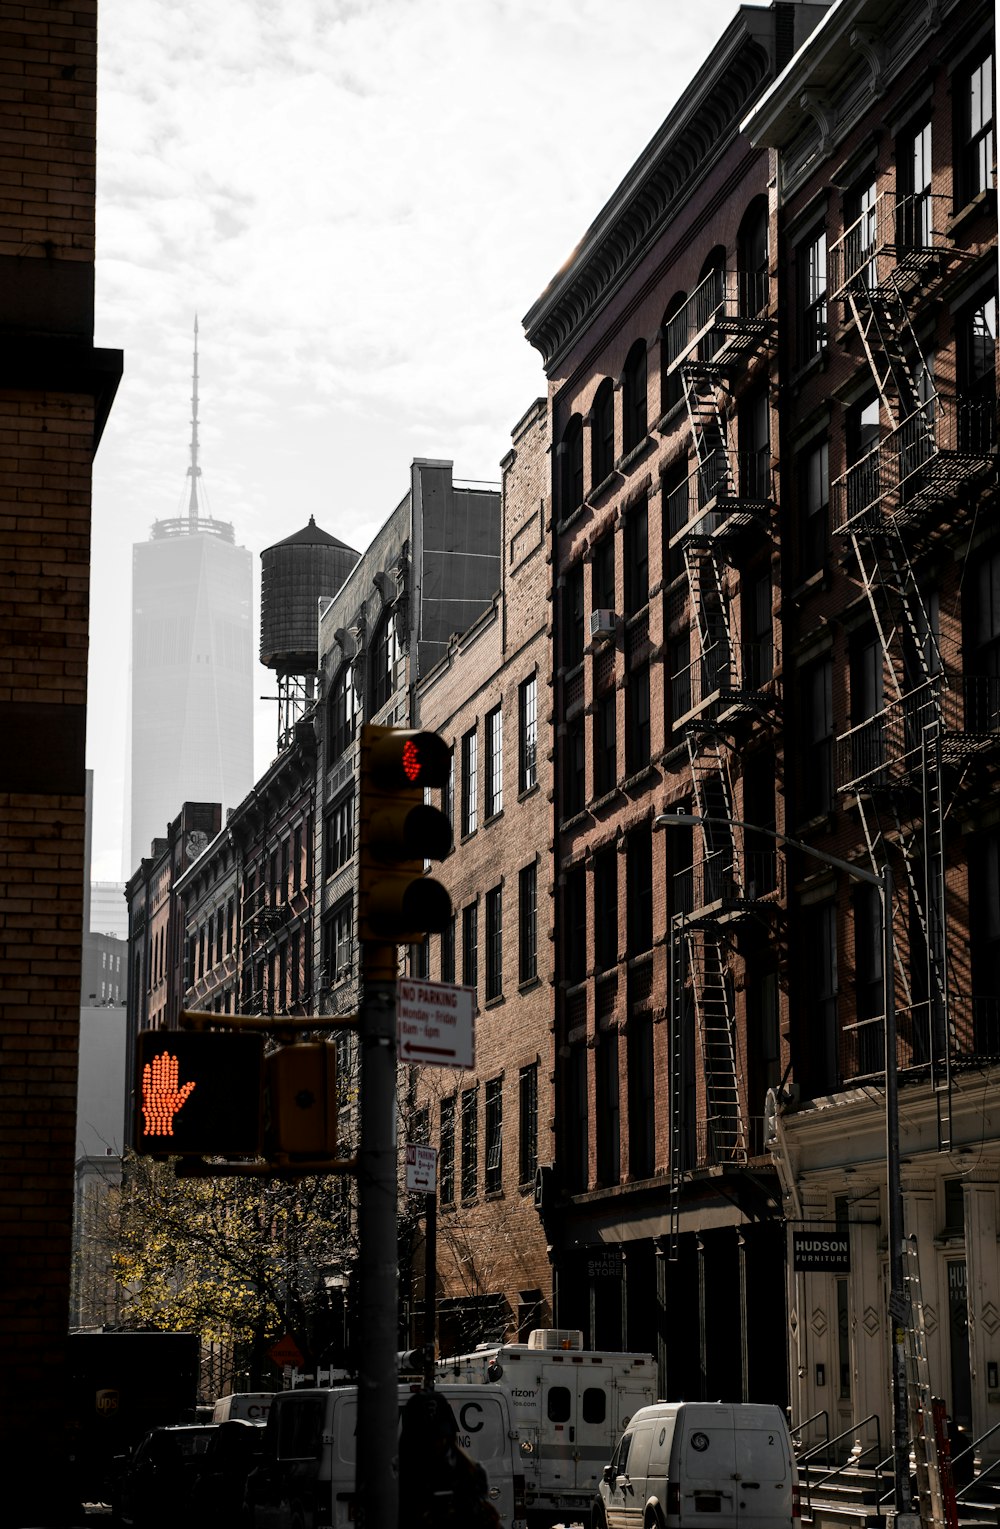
(675, 339)
(710, 294)
(571, 467)
(602, 433)
(751, 258)
(341, 713)
(382, 656)
(634, 390)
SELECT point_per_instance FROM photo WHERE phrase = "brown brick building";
(55, 393)
(489, 697)
(659, 340)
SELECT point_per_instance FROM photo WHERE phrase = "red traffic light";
(398, 760)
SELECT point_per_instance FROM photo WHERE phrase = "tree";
(241, 1261)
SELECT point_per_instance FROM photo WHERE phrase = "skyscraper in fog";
(192, 661)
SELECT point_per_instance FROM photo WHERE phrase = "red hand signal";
(161, 1097)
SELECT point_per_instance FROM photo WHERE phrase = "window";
(470, 783)
(574, 626)
(570, 454)
(758, 635)
(494, 943)
(448, 792)
(675, 336)
(341, 713)
(605, 865)
(603, 575)
(862, 439)
(494, 1135)
(976, 129)
(637, 720)
(606, 744)
(860, 238)
(639, 890)
(608, 1121)
(337, 940)
(819, 972)
(976, 333)
(448, 952)
(676, 496)
(527, 732)
(470, 1142)
(868, 984)
(634, 396)
(297, 861)
(814, 530)
(637, 557)
(470, 946)
(913, 210)
(527, 907)
(811, 265)
(527, 1147)
(575, 784)
(641, 1097)
(755, 448)
(575, 920)
(576, 1125)
(340, 834)
(602, 433)
(420, 959)
(382, 657)
(446, 1167)
(494, 762)
(817, 751)
(679, 665)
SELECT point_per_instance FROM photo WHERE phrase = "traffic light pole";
(378, 1407)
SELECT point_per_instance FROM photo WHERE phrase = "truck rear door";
(705, 1454)
(763, 1468)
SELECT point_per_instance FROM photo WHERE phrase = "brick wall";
(55, 390)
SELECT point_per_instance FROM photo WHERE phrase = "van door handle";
(755, 1485)
(494, 1491)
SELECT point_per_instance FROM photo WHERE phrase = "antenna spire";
(194, 471)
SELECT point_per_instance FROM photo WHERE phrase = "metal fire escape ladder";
(887, 335)
(713, 795)
(715, 1017)
(920, 1402)
(678, 1072)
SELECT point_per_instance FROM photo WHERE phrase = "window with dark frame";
(602, 433)
(574, 624)
(814, 526)
(527, 898)
(608, 1111)
(446, 1162)
(603, 574)
(493, 1103)
(574, 773)
(817, 743)
(914, 221)
(812, 283)
(340, 834)
(634, 396)
(448, 951)
(527, 751)
(494, 762)
(448, 792)
(675, 336)
(975, 172)
(470, 946)
(420, 960)
(527, 1149)
(606, 744)
(470, 783)
(571, 467)
(341, 713)
(636, 556)
(338, 940)
(382, 658)
(605, 885)
(639, 891)
(470, 1142)
(494, 943)
(637, 719)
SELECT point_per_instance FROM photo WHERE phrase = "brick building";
(659, 342)
(489, 698)
(884, 132)
(56, 390)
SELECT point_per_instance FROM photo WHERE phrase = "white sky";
(361, 199)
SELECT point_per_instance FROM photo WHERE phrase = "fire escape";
(891, 505)
(721, 514)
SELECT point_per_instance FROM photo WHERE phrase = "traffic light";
(398, 831)
(199, 1093)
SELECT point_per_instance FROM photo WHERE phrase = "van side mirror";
(606, 1473)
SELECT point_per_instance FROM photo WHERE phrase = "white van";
(728, 1465)
(243, 1407)
(306, 1478)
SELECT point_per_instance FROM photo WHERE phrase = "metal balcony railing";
(941, 445)
(727, 877)
(726, 673)
(727, 312)
(895, 236)
(973, 1028)
(726, 492)
(700, 1149)
(886, 748)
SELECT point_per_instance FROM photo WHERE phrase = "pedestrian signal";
(397, 832)
(198, 1093)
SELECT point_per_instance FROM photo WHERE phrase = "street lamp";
(894, 1190)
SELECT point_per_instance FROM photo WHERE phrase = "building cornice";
(697, 132)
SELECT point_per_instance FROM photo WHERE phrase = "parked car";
(156, 1481)
(679, 1464)
(234, 1450)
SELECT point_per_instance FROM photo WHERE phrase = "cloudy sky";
(361, 199)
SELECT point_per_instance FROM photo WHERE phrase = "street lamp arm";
(668, 819)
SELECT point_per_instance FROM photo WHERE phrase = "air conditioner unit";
(602, 625)
(555, 1338)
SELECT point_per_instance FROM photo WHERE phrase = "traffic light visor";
(399, 759)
